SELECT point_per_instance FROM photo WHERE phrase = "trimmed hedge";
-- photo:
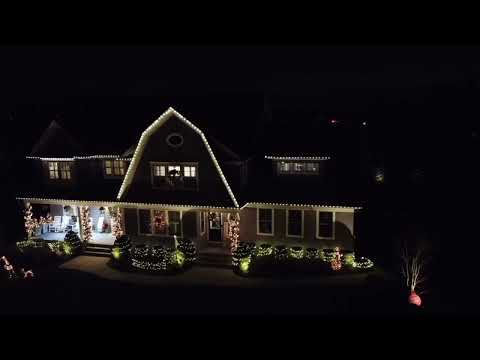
(157, 258)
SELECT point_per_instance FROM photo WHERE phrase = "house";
(178, 181)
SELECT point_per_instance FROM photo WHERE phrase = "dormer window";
(114, 168)
(59, 170)
(174, 176)
(297, 168)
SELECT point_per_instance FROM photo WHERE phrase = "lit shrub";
(187, 247)
(245, 265)
(281, 253)
(328, 255)
(348, 258)
(363, 263)
(121, 248)
(72, 245)
(296, 252)
(264, 250)
(244, 250)
(312, 254)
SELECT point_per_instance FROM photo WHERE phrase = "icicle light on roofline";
(271, 157)
(124, 203)
(116, 157)
(144, 138)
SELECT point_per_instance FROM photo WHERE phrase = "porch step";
(98, 250)
(212, 259)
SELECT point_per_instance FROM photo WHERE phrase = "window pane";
(299, 167)
(159, 222)
(144, 221)
(186, 171)
(265, 214)
(265, 220)
(192, 171)
(295, 222)
(325, 224)
(162, 170)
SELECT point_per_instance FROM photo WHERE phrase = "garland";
(86, 223)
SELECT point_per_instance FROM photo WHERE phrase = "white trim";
(143, 141)
(318, 223)
(305, 206)
(271, 157)
(286, 225)
(273, 222)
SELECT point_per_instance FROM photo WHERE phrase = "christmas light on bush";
(296, 252)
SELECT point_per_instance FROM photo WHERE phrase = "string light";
(272, 157)
(144, 139)
(86, 223)
(115, 157)
(299, 205)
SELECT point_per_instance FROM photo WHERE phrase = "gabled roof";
(55, 141)
(144, 140)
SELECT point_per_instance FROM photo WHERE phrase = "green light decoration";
(245, 265)
(116, 253)
(179, 258)
(67, 249)
(312, 254)
(349, 258)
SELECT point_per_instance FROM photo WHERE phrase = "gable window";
(265, 222)
(178, 176)
(59, 170)
(296, 167)
(114, 167)
(295, 223)
(325, 224)
(159, 222)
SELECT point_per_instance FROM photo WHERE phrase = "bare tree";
(413, 266)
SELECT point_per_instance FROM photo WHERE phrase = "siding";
(343, 230)
(131, 224)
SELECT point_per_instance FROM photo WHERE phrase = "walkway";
(202, 276)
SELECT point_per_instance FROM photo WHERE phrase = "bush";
(296, 252)
(244, 250)
(363, 263)
(158, 258)
(264, 250)
(72, 245)
(121, 249)
(348, 258)
(328, 255)
(187, 247)
(281, 253)
(312, 254)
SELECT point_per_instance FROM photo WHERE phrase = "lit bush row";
(71, 245)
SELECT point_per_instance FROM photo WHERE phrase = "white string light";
(248, 204)
(116, 157)
(271, 157)
(144, 139)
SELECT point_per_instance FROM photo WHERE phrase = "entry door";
(214, 227)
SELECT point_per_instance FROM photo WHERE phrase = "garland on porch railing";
(117, 226)
(32, 224)
(86, 223)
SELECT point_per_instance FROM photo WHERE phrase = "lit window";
(189, 171)
(295, 223)
(174, 170)
(159, 222)
(265, 221)
(284, 166)
(114, 168)
(65, 171)
(325, 224)
(53, 170)
(297, 168)
(159, 170)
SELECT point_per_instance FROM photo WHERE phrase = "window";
(303, 168)
(59, 170)
(295, 223)
(202, 222)
(114, 168)
(159, 222)
(53, 170)
(174, 176)
(265, 221)
(325, 224)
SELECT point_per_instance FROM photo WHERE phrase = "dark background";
(419, 102)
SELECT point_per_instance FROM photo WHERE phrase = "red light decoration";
(414, 299)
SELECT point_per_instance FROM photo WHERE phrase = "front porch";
(97, 238)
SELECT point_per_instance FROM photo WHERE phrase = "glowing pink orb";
(414, 299)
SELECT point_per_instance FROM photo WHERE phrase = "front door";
(214, 227)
